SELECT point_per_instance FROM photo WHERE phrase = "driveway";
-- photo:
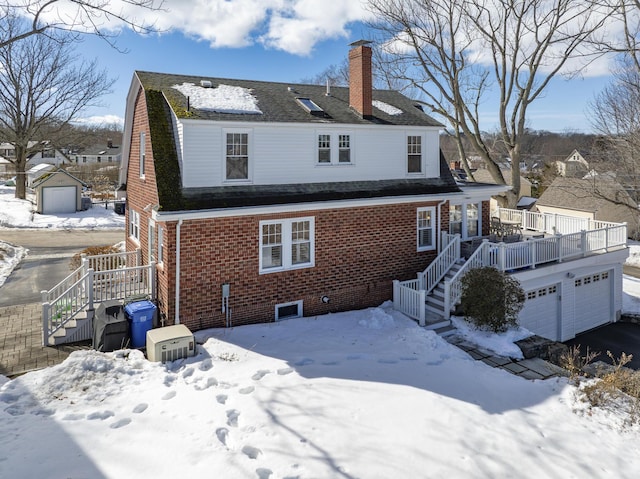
(616, 337)
(47, 262)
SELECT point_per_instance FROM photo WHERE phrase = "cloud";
(103, 120)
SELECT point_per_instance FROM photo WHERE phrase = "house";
(58, 192)
(597, 198)
(259, 201)
(284, 200)
(106, 153)
(483, 176)
(574, 166)
(46, 153)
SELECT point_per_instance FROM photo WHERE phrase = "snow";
(223, 98)
(10, 257)
(361, 394)
(501, 344)
(385, 107)
(15, 213)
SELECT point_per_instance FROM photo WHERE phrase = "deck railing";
(432, 275)
(551, 223)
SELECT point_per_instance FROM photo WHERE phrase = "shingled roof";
(277, 101)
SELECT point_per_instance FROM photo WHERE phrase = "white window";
(426, 227)
(324, 148)
(151, 239)
(160, 244)
(134, 224)
(414, 154)
(142, 153)
(334, 148)
(464, 219)
(237, 156)
(286, 244)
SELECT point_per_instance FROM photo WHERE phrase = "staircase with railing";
(67, 309)
(431, 297)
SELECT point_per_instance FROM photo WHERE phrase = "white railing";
(453, 287)
(109, 261)
(552, 223)
(438, 268)
(409, 299)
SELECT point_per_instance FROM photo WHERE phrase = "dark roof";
(277, 101)
(48, 175)
(96, 150)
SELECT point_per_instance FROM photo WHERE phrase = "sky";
(282, 41)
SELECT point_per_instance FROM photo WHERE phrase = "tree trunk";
(21, 175)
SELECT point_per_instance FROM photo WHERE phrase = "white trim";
(160, 243)
(298, 207)
(334, 147)
(299, 303)
(142, 154)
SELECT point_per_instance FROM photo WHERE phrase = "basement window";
(289, 310)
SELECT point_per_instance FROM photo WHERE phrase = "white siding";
(287, 153)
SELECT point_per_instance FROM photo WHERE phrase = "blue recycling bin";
(140, 315)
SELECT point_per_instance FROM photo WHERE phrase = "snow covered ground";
(15, 213)
(363, 394)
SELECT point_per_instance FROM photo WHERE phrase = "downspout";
(177, 309)
(440, 225)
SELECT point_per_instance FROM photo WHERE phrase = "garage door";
(540, 313)
(58, 199)
(593, 301)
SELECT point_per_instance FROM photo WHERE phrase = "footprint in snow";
(247, 390)
(140, 408)
(263, 473)
(285, 371)
(351, 357)
(221, 398)
(222, 433)
(260, 374)
(14, 410)
(120, 423)
(187, 373)
(408, 358)
(43, 412)
(169, 379)
(251, 452)
(208, 383)
(330, 363)
(232, 417)
(206, 364)
(102, 415)
(387, 361)
(73, 417)
(305, 362)
(169, 395)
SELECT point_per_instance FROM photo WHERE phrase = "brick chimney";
(360, 79)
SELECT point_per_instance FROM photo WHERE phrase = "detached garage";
(58, 192)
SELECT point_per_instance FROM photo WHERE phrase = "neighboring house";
(58, 192)
(287, 200)
(108, 154)
(36, 171)
(574, 166)
(6, 167)
(600, 199)
(47, 154)
(483, 176)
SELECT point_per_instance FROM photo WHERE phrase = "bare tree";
(78, 16)
(458, 52)
(42, 88)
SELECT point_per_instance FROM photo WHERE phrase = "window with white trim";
(414, 154)
(426, 228)
(237, 156)
(334, 149)
(160, 244)
(286, 244)
(134, 224)
(142, 153)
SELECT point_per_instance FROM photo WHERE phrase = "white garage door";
(540, 313)
(58, 199)
(593, 301)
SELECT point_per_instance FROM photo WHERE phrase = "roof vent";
(310, 106)
(205, 83)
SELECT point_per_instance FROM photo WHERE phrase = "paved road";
(47, 262)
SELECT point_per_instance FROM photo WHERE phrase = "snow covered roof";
(223, 98)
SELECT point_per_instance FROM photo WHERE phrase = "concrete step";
(442, 323)
(445, 331)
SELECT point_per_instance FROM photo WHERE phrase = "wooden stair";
(434, 303)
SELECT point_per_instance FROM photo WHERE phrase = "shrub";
(491, 299)
(574, 362)
(76, 261)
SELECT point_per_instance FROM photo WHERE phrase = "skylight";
(222, 99)
(310, 106)
(385, 107)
